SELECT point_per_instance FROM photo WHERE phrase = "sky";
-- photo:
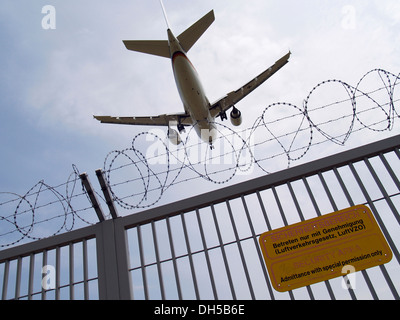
(54, 80)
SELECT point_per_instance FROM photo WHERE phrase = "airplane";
(198, 111)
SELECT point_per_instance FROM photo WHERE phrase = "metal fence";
(206, 247)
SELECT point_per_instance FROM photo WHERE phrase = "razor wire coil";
(138, 180)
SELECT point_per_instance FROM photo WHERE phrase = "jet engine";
(174, 137)
(236, 117)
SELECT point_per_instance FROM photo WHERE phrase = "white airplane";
(199, 112)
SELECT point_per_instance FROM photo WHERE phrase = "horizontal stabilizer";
(154, 47)
(189, 37)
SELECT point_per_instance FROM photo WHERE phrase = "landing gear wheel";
(181, 128)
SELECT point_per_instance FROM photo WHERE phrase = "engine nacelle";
(236, 117)
(174, 137)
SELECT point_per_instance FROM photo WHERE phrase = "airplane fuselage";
(191, 91)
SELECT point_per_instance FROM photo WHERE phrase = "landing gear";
(181, 127)
(223, 115)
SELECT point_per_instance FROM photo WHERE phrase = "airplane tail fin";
(189, 37)
(186, 39)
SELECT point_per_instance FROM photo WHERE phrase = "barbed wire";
(139, 175)
(32, 216)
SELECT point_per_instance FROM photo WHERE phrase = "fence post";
(112, 262)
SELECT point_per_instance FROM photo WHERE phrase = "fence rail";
(206, 247)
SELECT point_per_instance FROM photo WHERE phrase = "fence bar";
(278, 202)
(18, 278)
(296, 202)
(311, 195)
(210, 272)
(389, 282)
(351, 203)
(375, 211)
(171, 244)
(269, 229)
(196, 288)
(383, 190)
(44, 263)
(160, 276)
(343, 186)
(318, 211)
(383, 228)
(5, 279)
(397, 152)
(222, 246)
(328, 192)
(58, 273)
(260, 256)
(335, 208)
(142, 262)
(31, 274)
(299, 211)
(263, 211)
(85, 270)
(390, 170)
(246, 271)
(71, 272)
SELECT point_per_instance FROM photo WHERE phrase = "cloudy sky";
(54, 80)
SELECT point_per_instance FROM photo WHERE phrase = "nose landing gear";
(210, 141)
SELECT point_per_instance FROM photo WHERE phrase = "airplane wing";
(220, 106)
(161, 120)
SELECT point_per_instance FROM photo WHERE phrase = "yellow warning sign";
(319, 249)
